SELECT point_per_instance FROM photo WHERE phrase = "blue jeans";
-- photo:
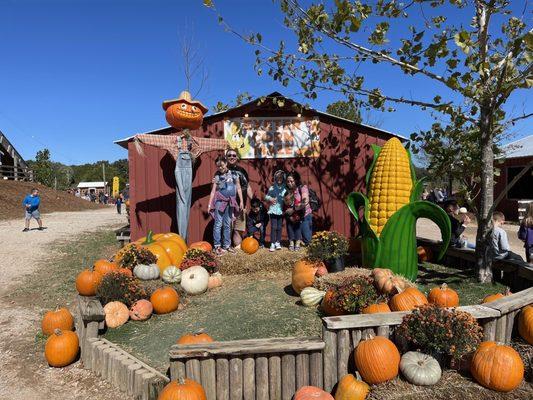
(261, 230)
(294, 230)
(307, 228)
(183, 174)
(276, 225)
(222, 228)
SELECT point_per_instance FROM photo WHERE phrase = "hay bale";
(239, 263)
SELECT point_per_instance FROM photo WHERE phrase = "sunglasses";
(232, 155)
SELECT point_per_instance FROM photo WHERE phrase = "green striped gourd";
(388, 224)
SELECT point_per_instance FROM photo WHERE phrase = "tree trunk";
(484, 229)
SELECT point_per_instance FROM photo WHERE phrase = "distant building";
(92, 187)
(12, 165)
(516, 156)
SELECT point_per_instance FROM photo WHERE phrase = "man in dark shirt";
(239, 226)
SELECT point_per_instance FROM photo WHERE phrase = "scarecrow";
(183, 114)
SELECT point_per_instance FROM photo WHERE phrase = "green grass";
(53, 284)
(463, 281)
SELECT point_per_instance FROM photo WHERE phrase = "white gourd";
(420, 369)
(311, 296)
(194, 280)
(172, 274)
(146, 272)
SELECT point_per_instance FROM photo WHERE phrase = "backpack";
(314, 201)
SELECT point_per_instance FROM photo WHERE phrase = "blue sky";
(77, 74)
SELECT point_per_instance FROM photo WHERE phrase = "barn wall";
(509, 207)
(340, 169)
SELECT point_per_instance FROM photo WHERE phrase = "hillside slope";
(12, 193)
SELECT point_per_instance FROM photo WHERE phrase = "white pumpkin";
(146, 272)
(420, 369)
(194, 280)
(311, 297)
(172, 274)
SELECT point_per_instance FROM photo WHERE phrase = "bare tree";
(193, 64)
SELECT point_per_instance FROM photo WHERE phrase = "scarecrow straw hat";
(185, 97)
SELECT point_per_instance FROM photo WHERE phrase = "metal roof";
(124, 142)
(519, 148)
(83, 185)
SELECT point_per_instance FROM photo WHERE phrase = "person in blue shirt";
(31, 207)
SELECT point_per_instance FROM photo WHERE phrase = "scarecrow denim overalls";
(183, 174)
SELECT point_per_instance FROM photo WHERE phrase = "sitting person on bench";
(459, 221)
(500, 243)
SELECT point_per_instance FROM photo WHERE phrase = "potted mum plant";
(330, 248)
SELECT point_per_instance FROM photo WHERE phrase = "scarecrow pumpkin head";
(184, 112)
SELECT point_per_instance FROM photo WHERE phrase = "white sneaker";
(278, 246)
(272, 247)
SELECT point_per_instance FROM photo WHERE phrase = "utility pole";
(103, 172)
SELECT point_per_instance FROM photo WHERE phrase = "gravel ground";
(24, 373)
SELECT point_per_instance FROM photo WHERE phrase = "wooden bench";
(123, 235)
(515, 274)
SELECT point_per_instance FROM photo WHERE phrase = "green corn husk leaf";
(376, 149)
(418, 188)
(369, 239)
(397, 243)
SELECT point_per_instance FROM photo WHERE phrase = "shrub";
(199, 257)
(355, 295)
(439, 331)
(327, 245)
(116, 286)
(135, 255)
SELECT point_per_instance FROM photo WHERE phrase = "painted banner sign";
(115, 186)
(274, 137)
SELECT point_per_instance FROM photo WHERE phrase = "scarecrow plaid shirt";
(172, 143)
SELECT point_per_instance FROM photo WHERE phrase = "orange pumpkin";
(250, 245)
(195, 338)
(312, 393)
(163, 259)
(407, 299)
(116, 314)
(443, 296)
(125, 271)
(165, 300)
(61, 348)
(87, 282)
(141, 310)
(184, 113)
(171, 236)
(376, 308)
(377, 359)
(104, 266)
(182, 389)
(215, 280)
(349, 388)
(496, 296)
(202, 245)
(425, 254)
(386, 282)
(303, 275)
(60, 319)
(525, 324)
(328, 308)
(497, 367)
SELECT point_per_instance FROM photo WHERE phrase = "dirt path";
(23, 372)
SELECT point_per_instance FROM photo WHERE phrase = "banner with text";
(274, 137)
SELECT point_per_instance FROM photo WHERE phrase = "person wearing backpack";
(301, 197)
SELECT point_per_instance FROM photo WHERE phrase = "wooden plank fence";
(275, 368)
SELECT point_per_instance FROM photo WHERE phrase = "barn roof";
(254, 103)
(519, 148)
(7, 148)
(83, 185)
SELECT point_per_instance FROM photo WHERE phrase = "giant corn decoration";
(388, 224)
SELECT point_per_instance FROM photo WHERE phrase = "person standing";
(119, 203)
(31, 206)
(223, 205)
(301, 200)
(274, 198)
(525, 233)
(239, 224)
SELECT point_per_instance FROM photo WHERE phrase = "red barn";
(339, 169)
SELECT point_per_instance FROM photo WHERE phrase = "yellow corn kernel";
(390, 185)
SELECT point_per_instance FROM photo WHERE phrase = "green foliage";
(326, 245)
(116, 286)
(435, 330)
(345, 109)
(355, 295)
(91, 172)
(42, 168)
